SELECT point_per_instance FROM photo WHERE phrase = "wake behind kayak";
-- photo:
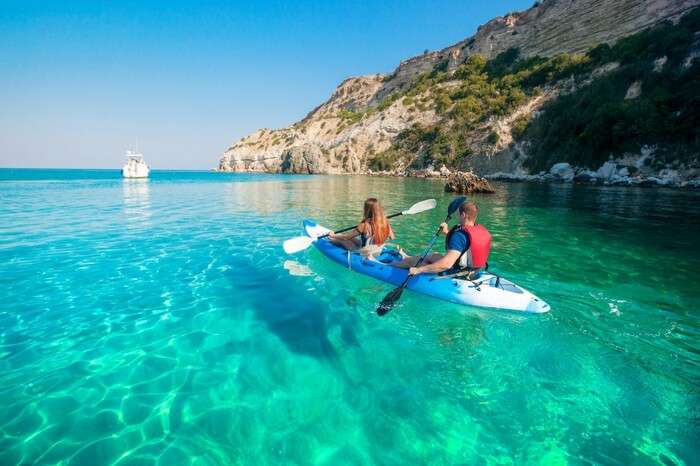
(488, 290)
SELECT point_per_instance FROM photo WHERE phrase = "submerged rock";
(467, 183)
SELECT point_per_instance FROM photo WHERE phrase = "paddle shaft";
(389, 300)
(425, 253)
(355, 226)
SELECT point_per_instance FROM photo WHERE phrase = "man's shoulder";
(461, 232)
(459, 237)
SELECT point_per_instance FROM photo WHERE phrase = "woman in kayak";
(370, 233)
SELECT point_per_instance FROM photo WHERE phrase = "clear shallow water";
(158, 322)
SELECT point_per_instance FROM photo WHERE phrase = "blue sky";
(82, 81)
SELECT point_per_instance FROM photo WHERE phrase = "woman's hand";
(331, 235)
(444, 228)
(414, 271)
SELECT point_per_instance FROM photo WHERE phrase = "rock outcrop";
(467, 183)
(360, 118)
(562, 170)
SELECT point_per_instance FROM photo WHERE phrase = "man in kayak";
(467, 247)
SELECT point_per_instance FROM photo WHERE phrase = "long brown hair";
(374, 216)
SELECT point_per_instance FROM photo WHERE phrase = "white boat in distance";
(135, 166)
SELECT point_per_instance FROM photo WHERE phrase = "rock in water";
(467, 183)
(562, 170)
(608, 169)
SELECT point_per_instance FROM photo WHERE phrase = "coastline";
(579, 177)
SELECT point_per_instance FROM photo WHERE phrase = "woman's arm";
(349, 235)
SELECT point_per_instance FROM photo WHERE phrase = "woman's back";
(375, 234)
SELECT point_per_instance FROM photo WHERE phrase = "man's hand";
(331, 235)
(414, 271)
(444, 229)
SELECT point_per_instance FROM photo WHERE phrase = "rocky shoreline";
(611, 174)
(634, 170)
(643, 169)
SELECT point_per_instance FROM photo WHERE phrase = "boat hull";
(487, 291)
(131, 171)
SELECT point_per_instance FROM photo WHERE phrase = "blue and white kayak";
(486, 291)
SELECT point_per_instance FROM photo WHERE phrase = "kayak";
(488, 290)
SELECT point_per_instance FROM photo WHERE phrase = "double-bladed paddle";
(390, 299)
(302, 242)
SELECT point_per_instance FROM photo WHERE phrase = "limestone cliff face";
(360, 119)
(331, 139)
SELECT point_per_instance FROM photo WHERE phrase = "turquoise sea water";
(158, 322)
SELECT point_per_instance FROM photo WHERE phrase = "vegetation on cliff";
(591, 118)
(588, 125)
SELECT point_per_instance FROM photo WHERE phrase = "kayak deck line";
(491, 291)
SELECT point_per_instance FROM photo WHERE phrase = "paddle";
(302, 242)
(390, 299)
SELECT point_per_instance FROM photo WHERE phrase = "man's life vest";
(477, 254)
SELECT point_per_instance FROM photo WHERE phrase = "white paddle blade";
(421, 206)
(297, 244)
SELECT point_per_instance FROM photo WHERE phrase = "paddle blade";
(421, 206)
(454, 205)
(297, 244)
(389, 301)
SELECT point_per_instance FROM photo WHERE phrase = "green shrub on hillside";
(502, 64)
(442, 102)
(493, 138)
(388, 100)
(383, 161)
(440, 69)
(519, 126)
(349, 115)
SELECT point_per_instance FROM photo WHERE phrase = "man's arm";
(438, 266)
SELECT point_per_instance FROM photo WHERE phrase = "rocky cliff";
(366, 116)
